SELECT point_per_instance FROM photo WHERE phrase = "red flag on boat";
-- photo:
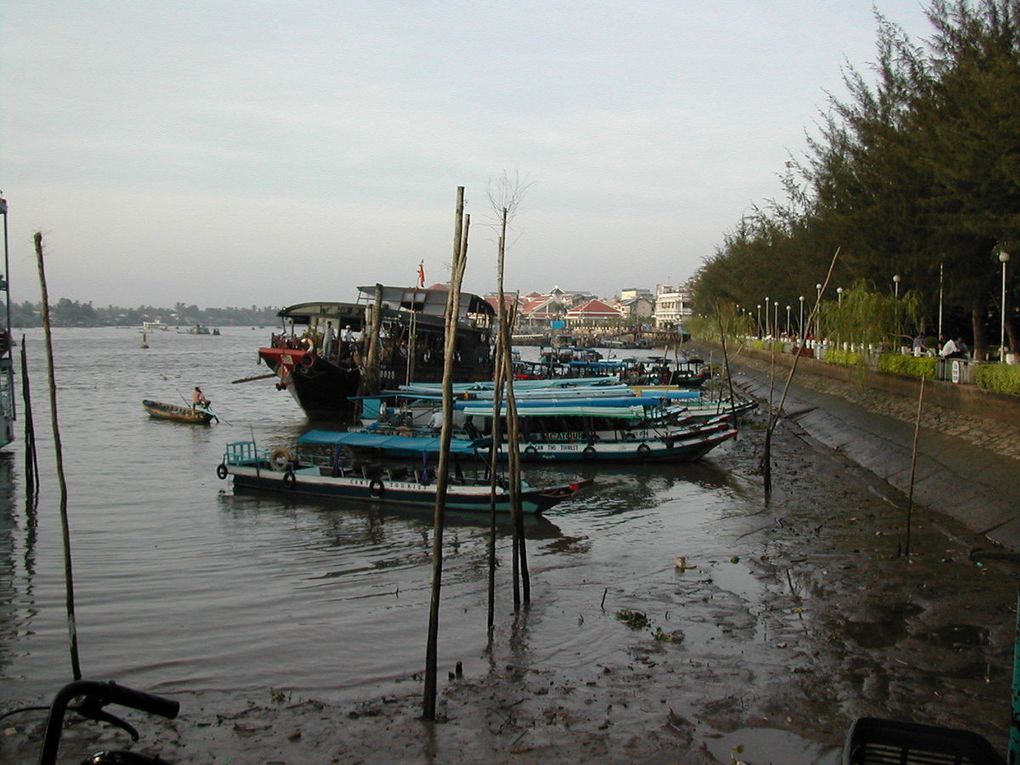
(421, 274)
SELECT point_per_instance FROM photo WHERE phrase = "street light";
(767, 316)
(801, 325)
(896, 306)
(1004, 259)
(759, 320)
(818, 314)
(775, 324)
(787, 321)
(839, 295)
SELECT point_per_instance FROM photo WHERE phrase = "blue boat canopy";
(386, 443)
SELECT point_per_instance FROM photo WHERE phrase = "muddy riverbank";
(804, 615)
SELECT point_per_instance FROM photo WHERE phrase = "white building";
(672, 305)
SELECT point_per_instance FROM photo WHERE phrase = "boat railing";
(244, 453)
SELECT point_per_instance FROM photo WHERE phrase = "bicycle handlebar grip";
(145, 702)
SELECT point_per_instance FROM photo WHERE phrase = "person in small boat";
(198, 399)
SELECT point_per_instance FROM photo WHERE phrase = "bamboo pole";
(463, 223)
(31, 455)
(496, 435)
(913, 464)
(72, 629)
(767, 468)
(520, 567)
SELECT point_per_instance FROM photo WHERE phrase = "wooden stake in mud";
(520, 553)
(773, 416)
(460, 238)
(913, 464)
(496, 439)
(72, 629)
(766, 460)
(505, 198)
(31, 456)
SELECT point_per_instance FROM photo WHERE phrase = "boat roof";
(431, 301)
(565, 409)
(324, 308)
(363, 440)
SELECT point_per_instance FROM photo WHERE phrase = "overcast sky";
(238, 153)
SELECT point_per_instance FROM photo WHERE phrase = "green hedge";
(908, 366)
(998, 378)
(839, 358)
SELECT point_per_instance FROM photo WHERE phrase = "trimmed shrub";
(908, 366)
(998, 378)
(841, 358)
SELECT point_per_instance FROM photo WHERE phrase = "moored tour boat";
(323, 473)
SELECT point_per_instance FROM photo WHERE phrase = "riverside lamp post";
(787, 321)
(896, 306)
(1004, 259)
(775, 323)
(759, 321)
(801, 325)
(768, 316)
(839, 295)
(818, 313)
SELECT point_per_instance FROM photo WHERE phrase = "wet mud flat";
(765, 653)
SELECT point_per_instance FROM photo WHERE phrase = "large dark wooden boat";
(324, 354)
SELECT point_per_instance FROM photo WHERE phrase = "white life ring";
(280, 459)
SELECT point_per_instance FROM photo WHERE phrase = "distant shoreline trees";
(72, 313)
(916, 175)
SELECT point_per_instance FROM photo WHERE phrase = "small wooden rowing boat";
(178, 413)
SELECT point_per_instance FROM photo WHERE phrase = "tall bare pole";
(505, 199)
(913, 464)
(460, 238)
(72, 629)
(496, 439)
(520, 552)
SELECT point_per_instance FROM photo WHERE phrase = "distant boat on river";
(178, 413)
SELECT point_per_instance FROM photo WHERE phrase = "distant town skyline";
(193, 153)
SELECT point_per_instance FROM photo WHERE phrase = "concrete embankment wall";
(968, 461)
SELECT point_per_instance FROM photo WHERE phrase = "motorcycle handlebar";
(105, 693)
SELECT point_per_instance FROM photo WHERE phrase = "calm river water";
(182, 586)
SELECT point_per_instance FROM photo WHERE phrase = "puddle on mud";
(770, 746)
(888, 630)
(958, 636)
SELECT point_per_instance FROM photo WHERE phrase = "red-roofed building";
(592, 313)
